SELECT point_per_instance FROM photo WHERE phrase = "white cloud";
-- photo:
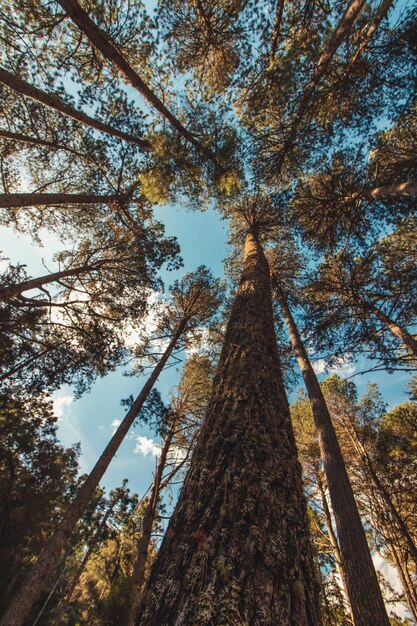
(342, 367)
(391, 576)
(146, 446)
(61, 404)
(115, 425)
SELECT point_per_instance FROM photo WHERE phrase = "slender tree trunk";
(6, 134)
(103, 42)
(396, 330)
(334, 543)
(363, 590)
(338, 36)
(410, 590)
(53, 102)
(237, 549)
(11, 291)
(51, 555)
(145, 538)
(386, 498)
(67, 595)
(381, 12)
(19, 200)
(276, 30)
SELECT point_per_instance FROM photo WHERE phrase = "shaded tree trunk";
(338, 36)
(53, 102)
(363, 590)
(36, 141)
(237, 549)
(52, 553)
(381, 12)
(145, 538)
(276, 30)
(20, 200)
(103, 42)
(395, 328)
(11, 291)
(333, 542)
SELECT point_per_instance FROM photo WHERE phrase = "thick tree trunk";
(145, 538)
(237, 549)
(334, 543)
(103, 42)
(381, 12)
(363, 590)
(52, 553)
(338, 36)
(396, 330)
(20, 200)
(11, 291)
(53, 102)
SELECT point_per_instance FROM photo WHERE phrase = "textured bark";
(338, 36)
(20, 200)
(11, 291)
(103, 42)
(363, 590)
(53, 102)
(145, 538)
(52, 553)
(237, 549)
(381, 12)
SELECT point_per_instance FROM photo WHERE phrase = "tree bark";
(402, 190)
(51, 555)
(53, 102)
(145, 538)
(381, 12)
(20, 200)
(396, 330)
(36, 141)
(276, 30)
(237, 549)
(103, 42)
(339, 34)
(334, 543)
(11, 291)
(363, 590)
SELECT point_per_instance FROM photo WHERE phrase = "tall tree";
(237, 545)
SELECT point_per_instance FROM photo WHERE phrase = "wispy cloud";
(115, 425)
(61, 404)
(342, 367)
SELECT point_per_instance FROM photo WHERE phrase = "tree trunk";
(386, 498)
(237, 549)
(11, 291)
(339, 34)
(52, 553)
(364, 593)
(53, 102)
(6, 134)
(20, 200)
(396, 330)
(381, 12)
(103, 42)
(334, 543)
(276, 31)
(145, 538)
(396, 190)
